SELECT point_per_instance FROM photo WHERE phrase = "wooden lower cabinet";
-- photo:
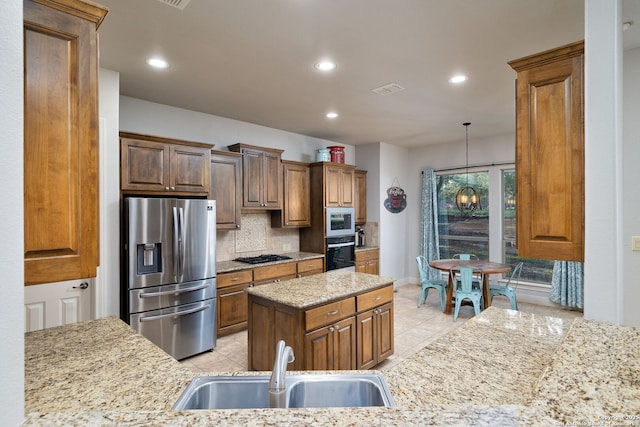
(367, 261)
(375, 336)
(332, 347)
(336, 335)
(310, 267)
(231, 313)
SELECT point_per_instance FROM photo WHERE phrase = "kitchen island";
(502, 367)
(335, 320)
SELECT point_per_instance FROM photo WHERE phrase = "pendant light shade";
(467, 198)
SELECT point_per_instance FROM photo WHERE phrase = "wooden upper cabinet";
(296, 208)
(261, 176)
(61, 233)
(339, 185)
(550, 154)
(163, 165)
(226, 188)
(360, 196)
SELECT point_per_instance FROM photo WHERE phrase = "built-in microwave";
(340, 222)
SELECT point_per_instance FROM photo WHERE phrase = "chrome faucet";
(284, 355)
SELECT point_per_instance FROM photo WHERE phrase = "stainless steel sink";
(324, 391)
(302, 391)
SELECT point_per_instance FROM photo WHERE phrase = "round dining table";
(479, 267)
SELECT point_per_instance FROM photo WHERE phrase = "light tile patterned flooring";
(415, 328)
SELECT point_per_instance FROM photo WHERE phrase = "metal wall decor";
(467, 198)
(396, 200)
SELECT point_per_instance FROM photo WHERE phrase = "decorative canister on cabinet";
(337, 154)
(323, 155)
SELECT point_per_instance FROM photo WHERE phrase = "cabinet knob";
(173, 188)
(166, 188)
(237, 225)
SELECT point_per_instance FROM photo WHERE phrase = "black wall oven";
(341, 252)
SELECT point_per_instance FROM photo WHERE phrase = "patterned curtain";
(567, 284)
(429, 224)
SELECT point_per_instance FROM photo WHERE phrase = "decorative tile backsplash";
(371, 233)
(255, 237)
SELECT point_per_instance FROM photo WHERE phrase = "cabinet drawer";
(366, 255)
(310, 264)
(234, 278)
(273, 271)
(375, 298)
(329, 313)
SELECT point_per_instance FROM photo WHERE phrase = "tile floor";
(415, 328)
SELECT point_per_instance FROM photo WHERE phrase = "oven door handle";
(176, 314)
(340, 245)
(174, 292)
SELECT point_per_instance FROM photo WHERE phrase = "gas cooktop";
(262, 259)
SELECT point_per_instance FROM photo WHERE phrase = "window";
(535, 270)
(463, 232)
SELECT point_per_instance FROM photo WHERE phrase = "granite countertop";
(229, 266)
(312, 290)
(502, 367)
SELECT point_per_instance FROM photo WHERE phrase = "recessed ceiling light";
(157, 63)
(458, 78)
(325, 65)
(332, 115)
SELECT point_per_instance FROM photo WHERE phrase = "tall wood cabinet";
(61, 235)
(261, 176)
(550, 154)
(226, 188)
(158, 165)
(296, 208)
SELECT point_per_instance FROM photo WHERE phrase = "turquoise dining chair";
(466, 290)
(508, 290)
(468, 257)
(437, 284)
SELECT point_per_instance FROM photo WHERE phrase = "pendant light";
(467, 198)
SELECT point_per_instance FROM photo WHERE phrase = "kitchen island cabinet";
(317, 317)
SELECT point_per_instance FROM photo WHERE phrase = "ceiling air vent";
(178, 4)
(387, 89)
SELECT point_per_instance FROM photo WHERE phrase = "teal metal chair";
(468, 257)
(437, 284)
(508, 290)
(466, 290)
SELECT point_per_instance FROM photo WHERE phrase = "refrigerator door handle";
(176, 236)
(174, 292)
(176, 314)
(182, 249)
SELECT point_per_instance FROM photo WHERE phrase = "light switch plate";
(635, 243)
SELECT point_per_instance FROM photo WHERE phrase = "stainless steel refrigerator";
(169, 272)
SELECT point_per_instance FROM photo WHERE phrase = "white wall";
(107, 293)
(141, 116)
(11, 223)
(631, 178)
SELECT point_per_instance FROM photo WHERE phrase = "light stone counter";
(312, 290)
(501, 368)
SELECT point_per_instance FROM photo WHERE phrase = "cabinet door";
(344, 344)
(272, 180)
(360, 196)
(296, 210)
(232, 309)
(60, 179)
(190, 169)
(252, 178)
(371, 267)
(361, 266)
(367, 350)
(333, 186)
(550, 154)
(144, 165)
(385, 336)
(226, 189)
(346, 188)
(319, 349)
